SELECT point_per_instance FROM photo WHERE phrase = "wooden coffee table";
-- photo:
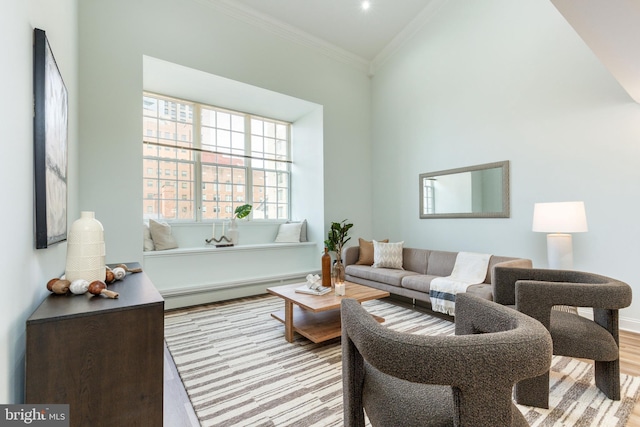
(317, 317)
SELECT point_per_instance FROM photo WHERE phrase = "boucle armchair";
(402, 379)
(536, 291)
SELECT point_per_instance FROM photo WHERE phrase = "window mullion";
(289, 183)
(248, 167)
(197, 164)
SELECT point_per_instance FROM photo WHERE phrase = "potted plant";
(336, 239)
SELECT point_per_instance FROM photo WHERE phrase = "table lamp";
(559, 220)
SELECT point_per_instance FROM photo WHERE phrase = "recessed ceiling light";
(366, 5)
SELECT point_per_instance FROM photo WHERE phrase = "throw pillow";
(303, 232)
(147, 240)
(289, 232)
(161, 235)
(365, 256)
(303, 229)
(387, 255)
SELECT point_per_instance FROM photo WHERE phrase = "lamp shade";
(561, 217)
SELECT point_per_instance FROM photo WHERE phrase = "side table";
(104, 357)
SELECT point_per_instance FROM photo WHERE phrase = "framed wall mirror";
(480, 191)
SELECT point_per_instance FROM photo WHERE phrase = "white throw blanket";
(470, 269)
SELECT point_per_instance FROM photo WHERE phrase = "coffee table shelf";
(317, 327)
(317, 317)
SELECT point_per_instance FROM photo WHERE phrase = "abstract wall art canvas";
(50, 145)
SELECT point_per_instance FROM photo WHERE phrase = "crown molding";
(286, 31)
(419, 22)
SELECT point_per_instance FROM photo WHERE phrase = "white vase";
(233, 233)
(85, 249)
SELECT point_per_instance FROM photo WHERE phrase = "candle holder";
(218, 242)
(223, 241)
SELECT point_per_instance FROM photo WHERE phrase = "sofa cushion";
(441, 263)
(389, 276)
(365, 256)
(415, 260)
(387, 255)
(419, 282)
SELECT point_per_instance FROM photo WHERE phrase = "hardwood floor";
(178, 411)
(630, 365)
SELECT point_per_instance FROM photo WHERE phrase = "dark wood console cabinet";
(103, 357)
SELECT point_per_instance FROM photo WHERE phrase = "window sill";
(212, 249)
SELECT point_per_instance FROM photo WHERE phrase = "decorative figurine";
(58, 286)
(98, 287)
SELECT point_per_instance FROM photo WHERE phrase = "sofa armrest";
(350, 255)
(515, 263)
(503, 287)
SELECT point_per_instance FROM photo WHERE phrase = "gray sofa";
(420, 267)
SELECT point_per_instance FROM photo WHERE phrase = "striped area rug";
(238, 370)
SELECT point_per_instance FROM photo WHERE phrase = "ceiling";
(611, 29)
(342, 29)
(341, 25)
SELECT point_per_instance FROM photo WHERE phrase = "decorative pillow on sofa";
(161, 235)
(289, 232)
(366, 251)
(388, 255)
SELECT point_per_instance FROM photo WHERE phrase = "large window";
(201, 162)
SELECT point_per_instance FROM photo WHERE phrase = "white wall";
(307, 154)
(25, 269)
(115, 35)
(502, 80)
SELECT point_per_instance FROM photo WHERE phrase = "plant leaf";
(242, 211)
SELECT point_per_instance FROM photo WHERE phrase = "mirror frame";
(505, 213)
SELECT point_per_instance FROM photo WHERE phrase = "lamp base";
(559, 251)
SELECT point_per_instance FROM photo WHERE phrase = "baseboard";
(187, 297)
(631, 325)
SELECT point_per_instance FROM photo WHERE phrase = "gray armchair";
(463, 380)
(536, 291)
